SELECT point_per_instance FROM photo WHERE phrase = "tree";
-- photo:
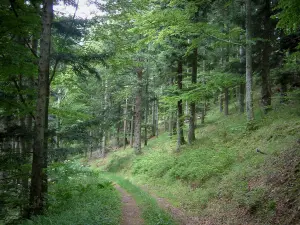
(249, 100)
(180, 119)
(37, 196)
(138, 112)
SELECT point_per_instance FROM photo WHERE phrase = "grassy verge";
(77, 195)
(151, 212)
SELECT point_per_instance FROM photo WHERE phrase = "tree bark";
(132, 127)
(180, 121)
(36, 190)
(119, 124)
(146, 115)
(249, 95)
(266, 51)
(138, 116)
(191, 133)
(242, 85)
(226, 101)
(153, 118)
(125, 124)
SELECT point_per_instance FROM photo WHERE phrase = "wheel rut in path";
(131, 213)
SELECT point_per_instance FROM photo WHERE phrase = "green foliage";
(78, 195)
(194, 165)
(221, 173)
(289, 15)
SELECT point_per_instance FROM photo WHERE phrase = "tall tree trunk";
(242, 85)
(146, 115)
(45, 155)
(125, 124)
(180, 121)
(203, 113)
(132, 126)
(266, 51)
(104, 132)
(191, 133)
(249, 95)
(153, 118)
(138, 115)
(36, 190)
(119, 123)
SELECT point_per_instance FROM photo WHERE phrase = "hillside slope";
(221, 177)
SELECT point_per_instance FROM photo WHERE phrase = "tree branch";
(221, 39)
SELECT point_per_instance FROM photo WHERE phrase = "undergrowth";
(78, 195)
(221, 175)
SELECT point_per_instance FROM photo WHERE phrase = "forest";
(149, 112)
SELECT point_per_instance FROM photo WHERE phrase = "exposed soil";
(131, 214)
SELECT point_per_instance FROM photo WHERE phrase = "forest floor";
(131, 214)
(221, 178)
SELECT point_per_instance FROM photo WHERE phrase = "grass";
(221, 175)
(151, 212)
(77, 195)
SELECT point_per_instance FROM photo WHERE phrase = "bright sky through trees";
(85, 10)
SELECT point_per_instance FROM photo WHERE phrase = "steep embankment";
(221, 178)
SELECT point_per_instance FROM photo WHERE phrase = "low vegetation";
(222, 177)
(77, 195)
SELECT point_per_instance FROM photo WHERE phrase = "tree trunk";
(249, 95)
(203, 114)
(266, 51)
(138, 116)
(191, 133)
(153, 119)
(242, 85)
(146, 115)
(132, 127)
(125, 124)
(242, 98)
(226, 101)
(36, 189)
(156, 118)
(119, 126)
(180, 121)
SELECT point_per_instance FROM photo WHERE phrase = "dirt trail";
(131, 214)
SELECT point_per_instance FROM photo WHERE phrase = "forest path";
(131, 214)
